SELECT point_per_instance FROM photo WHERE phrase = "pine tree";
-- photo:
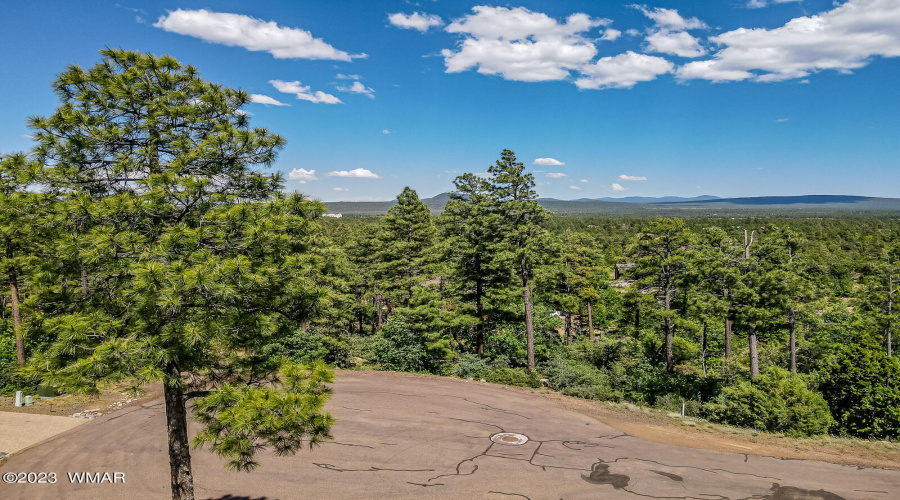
(660, 268)
(512, 192)
(405, 247)
(471, 226)
(200, 257)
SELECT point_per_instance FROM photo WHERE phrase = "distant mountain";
(649, 199)
(672, 206)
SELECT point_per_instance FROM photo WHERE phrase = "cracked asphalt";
(425, 437)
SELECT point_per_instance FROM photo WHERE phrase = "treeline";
(140, 244)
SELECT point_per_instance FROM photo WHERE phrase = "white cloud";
(583, 180)
(242, 112)
(357, 172)
(668, 36)
(415, 21)
(341, 189)
(302, 175)
(782, 120)
(264, 99)
(611, 35)
(546, 162)
(618, 187)
(341, 76)
(758, 4)
(251, 34)
(385, 131)
(574, 187)
(521, 45)
(842, 39)
(622, 71)
(556, 175)
(303, 92)
(679, 43)
(670, 18)
(632, 178)
(358, 88)
(632, 32)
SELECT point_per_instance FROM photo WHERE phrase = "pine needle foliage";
(199, 260)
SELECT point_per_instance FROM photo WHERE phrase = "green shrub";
(307, 347)
(578, 379)
(469, 366)
(511, 376)
(362, 347)
(401, 348)
(862, 387)
(11, 380)
(778, 401)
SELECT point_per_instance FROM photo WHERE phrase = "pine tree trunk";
(728, 337)
(590, 320)
(378, 306)
(84, 280)
(479, 326)
(529, 325)
(793, 345)
(179, 449)
(703, 347)
(754, 356)
(568, 329)
(670, 355)
(17, 316)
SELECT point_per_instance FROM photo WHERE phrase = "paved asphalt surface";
(416, 437)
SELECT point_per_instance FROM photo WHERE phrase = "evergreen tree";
(405, 247)
(200, 255)
(477, 272)
(660, 268)
(512, 192)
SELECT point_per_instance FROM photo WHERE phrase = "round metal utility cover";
(510, 438)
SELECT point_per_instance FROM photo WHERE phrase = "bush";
(362, 347)
(778, 401)
(307, 347)
(511, 376)
(862, 387)
(401, 348)
(11, 380)
(579, 379)
(469, 366)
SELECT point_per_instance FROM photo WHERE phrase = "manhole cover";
(509, 438)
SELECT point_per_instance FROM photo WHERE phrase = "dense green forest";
(143, 242)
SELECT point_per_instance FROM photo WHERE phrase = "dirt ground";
(110, 399)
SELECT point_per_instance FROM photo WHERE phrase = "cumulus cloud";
(385, 131)
(670, 18)
(758, 4)
(679, 43)
(546, 162)
(415, 21)
(669, 35)
(341, 189)
(842, 39)
(521, 45)
(622, 71)
(264, 99)
(611, 35)
(341, 76)
(302, 175)
(251, 34)
(357, 172)
(583, 180)
(304, 93)
(359, 88)
(618, 187)
(556, 175)
(632, 177)
(574, 187)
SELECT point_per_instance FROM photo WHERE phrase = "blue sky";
(730, 98)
